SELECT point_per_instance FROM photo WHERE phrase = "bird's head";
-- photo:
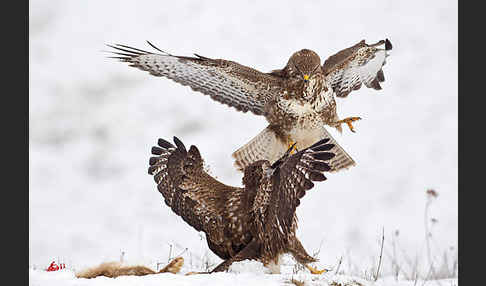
(303, 65)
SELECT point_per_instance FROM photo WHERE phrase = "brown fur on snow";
(115, 269)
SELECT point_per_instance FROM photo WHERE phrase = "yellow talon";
(315, 271)
(293, 146)
(349, 122)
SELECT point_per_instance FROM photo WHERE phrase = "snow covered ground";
(67, 278)
(241, 273)
(92, 122)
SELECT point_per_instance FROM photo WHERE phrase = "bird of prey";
(257, 221)
(297, 101)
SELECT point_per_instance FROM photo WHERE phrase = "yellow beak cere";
(306, 77)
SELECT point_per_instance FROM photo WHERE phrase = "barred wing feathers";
(296, 176)
(227, 82)
(360, 64)
(279, 196)
(189, 191)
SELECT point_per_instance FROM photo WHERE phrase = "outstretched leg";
(299, 253)
(250, 251)
(349, 121)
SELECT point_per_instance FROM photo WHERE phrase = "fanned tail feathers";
(342, 160)
(268, 146)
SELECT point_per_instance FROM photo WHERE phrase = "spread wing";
(357, 65)
(228, 82)
(294, 175)
(188, 189)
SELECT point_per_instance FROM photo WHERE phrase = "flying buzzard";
(297, 101)
(257, 221)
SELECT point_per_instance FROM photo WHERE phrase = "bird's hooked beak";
(306, 78)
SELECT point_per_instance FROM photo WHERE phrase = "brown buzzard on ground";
(257, 221)
(297, 101)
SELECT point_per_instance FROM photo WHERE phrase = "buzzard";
(257, 221)
(297, 101)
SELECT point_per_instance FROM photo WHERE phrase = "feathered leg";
(249, 252)
(299, 253)
(273, 265)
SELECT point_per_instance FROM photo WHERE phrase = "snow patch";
(249, 266)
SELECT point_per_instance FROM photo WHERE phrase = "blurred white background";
(93, 121)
